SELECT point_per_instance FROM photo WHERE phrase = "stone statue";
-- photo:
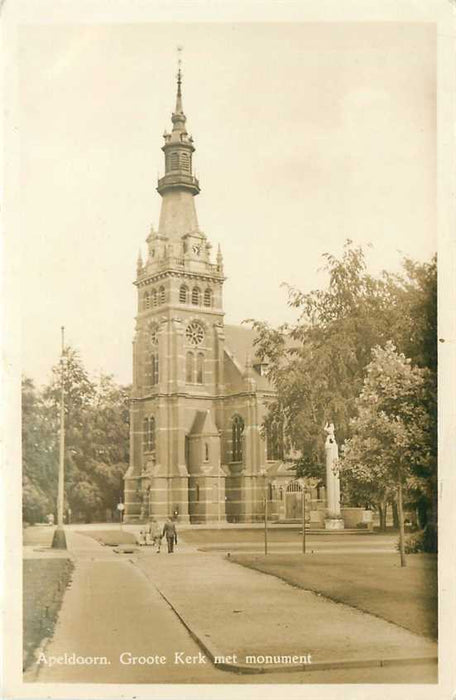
(333, 519)
(329, 429)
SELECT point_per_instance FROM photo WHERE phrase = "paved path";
(112, 608)
(248, 613)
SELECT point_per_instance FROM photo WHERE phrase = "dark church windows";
(161, 295)
(270, 492)
(174, 161)
(189, 367)
(197, 492)
(183, 294)
(274, 441)
(206, 452)
(237, 431)
(196, 296)
(153, 296)
(194, 368)
(149, 435)
(194, 333)
(200, 368)
(208, 297)
(152, 369)
(185, 161)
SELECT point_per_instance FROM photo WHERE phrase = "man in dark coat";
(169, 531)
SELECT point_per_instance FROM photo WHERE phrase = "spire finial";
(179, 78)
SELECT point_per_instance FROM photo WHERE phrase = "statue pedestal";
(334, 524)
(333, 520)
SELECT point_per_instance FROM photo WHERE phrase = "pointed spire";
(178, 148)
(179, 117)
(139, 263)
(179, 109)
(219, 258)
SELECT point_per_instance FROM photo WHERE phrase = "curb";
(212, 652)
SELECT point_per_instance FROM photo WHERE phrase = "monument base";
(334, 524)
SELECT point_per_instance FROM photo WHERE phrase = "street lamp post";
(59, 539)
(265, 513)
(303, 518)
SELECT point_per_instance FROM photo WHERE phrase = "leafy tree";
(414, 317)
(39, 475)
(391, 448)
(35, 503)
(96, 439)
(317, 365)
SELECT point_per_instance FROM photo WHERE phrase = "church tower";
(176, 411)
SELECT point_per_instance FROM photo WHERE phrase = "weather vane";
(179, 60)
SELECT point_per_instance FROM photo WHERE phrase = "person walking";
(169, 531)
(155, 534)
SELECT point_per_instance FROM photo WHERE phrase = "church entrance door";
(293, 501)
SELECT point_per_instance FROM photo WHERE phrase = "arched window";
(153, 296)
(161, 295)
(183, 294)
(236, 439)
(269, 492)
(174, 160)
(151, 369)
(185, 161)
(274, 441)
(196, 296)
(208, 297)
(200, 368)
(190, 368)
(149, 435)
(197, 492)
(206, 452)
(146, 300)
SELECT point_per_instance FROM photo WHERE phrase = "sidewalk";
(116, 603)
(237, 612)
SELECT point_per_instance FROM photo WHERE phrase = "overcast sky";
(305, 135)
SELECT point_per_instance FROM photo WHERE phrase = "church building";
(199, 394)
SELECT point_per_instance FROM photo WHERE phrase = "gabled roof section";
(203, 424)
(239, 346)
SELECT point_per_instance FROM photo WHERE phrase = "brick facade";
(194, 378)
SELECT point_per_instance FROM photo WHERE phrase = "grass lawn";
(44, 583)
(110, 537)
(374, 583)
(224, 536)
(38, 535)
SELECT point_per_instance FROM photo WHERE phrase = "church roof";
(203, 424)
(239, 342)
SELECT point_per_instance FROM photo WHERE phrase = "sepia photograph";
(228, 384)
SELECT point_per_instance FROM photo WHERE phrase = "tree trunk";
(401, 524)
(382, 515)
(395, 516)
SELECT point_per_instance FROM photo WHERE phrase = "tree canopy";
(318, 365)
(96, 441)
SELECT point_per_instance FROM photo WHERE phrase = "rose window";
(194, 333)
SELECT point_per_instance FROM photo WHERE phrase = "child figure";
(155, 533)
